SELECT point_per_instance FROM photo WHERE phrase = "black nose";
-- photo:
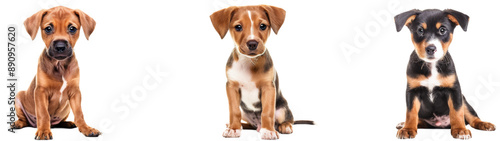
(60, 45)
(430, 50)
(252, 44)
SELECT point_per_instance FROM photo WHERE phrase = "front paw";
(406, 133)
(43, 134)
(231, 133)
(89, 131)
(268, 135)
(461, 133)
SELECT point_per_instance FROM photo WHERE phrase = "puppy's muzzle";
(60, 49)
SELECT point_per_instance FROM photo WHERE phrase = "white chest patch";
(62, 88)
(432, 81)
(240, 72)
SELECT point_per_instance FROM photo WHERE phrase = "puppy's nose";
(430, 50)
(60, 45)
(252, 44)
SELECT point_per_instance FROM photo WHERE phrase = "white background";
(350, 97)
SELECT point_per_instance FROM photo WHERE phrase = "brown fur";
(410, 127)
(419, 47)
(415, 82)
(447, 81)
(410, 19)
(424, 25)
(446, 45)
(262, 71)
(42, 97)
(453, 19)
(226, 19)
(457, 121)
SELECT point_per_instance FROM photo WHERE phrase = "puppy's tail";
(310, 122)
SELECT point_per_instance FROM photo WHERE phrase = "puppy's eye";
(48, 29)
(72, 29)
(263, 27)
(442, 30)
(238, 28)
(420, 31)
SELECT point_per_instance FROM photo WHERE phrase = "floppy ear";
(88, 24)
(33, 23)
(221, 20)
(458, 18)
(405, 18)
(276, 16)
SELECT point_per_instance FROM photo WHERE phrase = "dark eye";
(238, 28)
(420, 31)
(72, 29)
(442, 30)
(48, 29)
(263, 27)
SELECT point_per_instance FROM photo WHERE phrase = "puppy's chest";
(241, 72)
(431, 81)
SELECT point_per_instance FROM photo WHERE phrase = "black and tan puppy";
(55, 89)
(252, 81)
(433, 96)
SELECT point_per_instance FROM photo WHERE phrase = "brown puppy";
(55, 88)
(252, 80)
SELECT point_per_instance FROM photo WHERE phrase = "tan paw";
(285, 128)
(89, 131)
(406, 133)
(461, 133)
(486, 126)
(231, 133)
(43, 134)
(268, 135)
(19, 124)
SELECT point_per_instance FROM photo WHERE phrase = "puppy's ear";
(221, 20)
(276, 16)
(88, 24)
(458, 18)
(405, 18)
(33, 23)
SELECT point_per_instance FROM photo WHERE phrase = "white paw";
(288, 130)
(464, 137)
(231, 133)
(268, 135)
(400, 125)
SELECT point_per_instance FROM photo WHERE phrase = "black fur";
(445, 66)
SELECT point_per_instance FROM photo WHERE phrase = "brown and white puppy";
(55, 88)
(252, 81)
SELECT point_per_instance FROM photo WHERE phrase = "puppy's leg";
(284, 119)
(410, 127)
(234, 97)
(268, 99)
(474, 121)
(22, 121)
(457, 121)
(42, 114)
(75, 99)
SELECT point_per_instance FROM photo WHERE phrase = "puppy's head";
(60, 27)
(431, 30)
(249, 26)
